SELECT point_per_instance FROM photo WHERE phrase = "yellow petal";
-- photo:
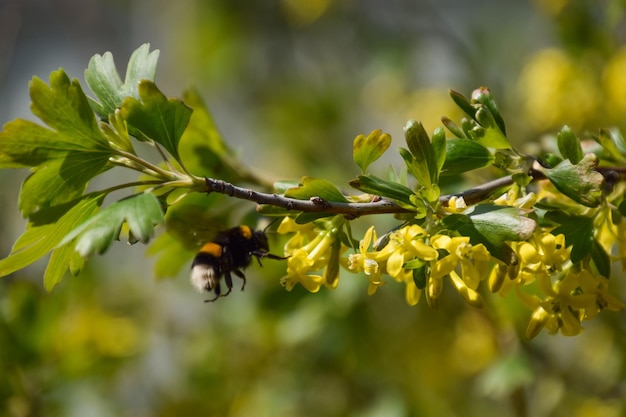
(412, 293)
(423, 251)
(472, 297)
(394, 263)
(537, 321)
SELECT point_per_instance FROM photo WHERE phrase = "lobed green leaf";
(140, 212)
(202, 147)
(366, 150)
(60, 180)
(423, 164)
(39, 239)
(157, 117)
(580, 182)
(104, 81)
(63, 158)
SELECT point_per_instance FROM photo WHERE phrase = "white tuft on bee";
(203, 277)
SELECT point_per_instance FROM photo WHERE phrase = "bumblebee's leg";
(242, 276)
(260, 254)
(229, 283)
(217, 290)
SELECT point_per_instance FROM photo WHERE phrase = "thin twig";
(377, 206)
(313, 205)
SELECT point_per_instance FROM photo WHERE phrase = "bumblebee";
(230, 252)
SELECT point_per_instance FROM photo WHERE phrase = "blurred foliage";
(113, 342)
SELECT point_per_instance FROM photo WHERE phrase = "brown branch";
(377, 206)
(313, 205)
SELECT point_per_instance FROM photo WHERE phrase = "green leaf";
(613, 144)
(116, 132)
(579, 182)
(39, 239)
(372, 184)
(141, 213)
(64, 107)
(578, 232)
(366, 150)
(65, 157)
(423, 165)
(202, 147)
(494, 225)
(60, 180)
(316, 187)
(488, 133)
(601, 259)
(304, 217)
(439, 148)
(569, 145)
(463, 102)
(61, 260)
(454, 221)
(483, 96)
(622, 208)
(453, 127)
(464, 155)
(27, 144)
(157, 117)
(104, 80)
(282, 186)
(419, 277)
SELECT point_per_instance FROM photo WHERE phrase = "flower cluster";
(560, 293)
(411, 253)
(313, 255)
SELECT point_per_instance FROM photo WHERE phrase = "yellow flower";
(576, 297)
(366, 261)
(309, 251)
(405, 244)
(474, 267)
(298, 266)
(543, 254)
(474, 259)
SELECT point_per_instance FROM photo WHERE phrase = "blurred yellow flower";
(557, 89)
(614, 85)
(575, 297)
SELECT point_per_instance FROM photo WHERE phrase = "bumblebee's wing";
(193, 225)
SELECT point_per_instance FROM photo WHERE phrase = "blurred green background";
(291, 83)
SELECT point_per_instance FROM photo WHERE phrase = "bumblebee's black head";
(260, 240)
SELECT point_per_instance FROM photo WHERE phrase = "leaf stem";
(168, 175)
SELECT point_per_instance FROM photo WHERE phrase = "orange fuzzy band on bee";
(246, 232)
(212, 249)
